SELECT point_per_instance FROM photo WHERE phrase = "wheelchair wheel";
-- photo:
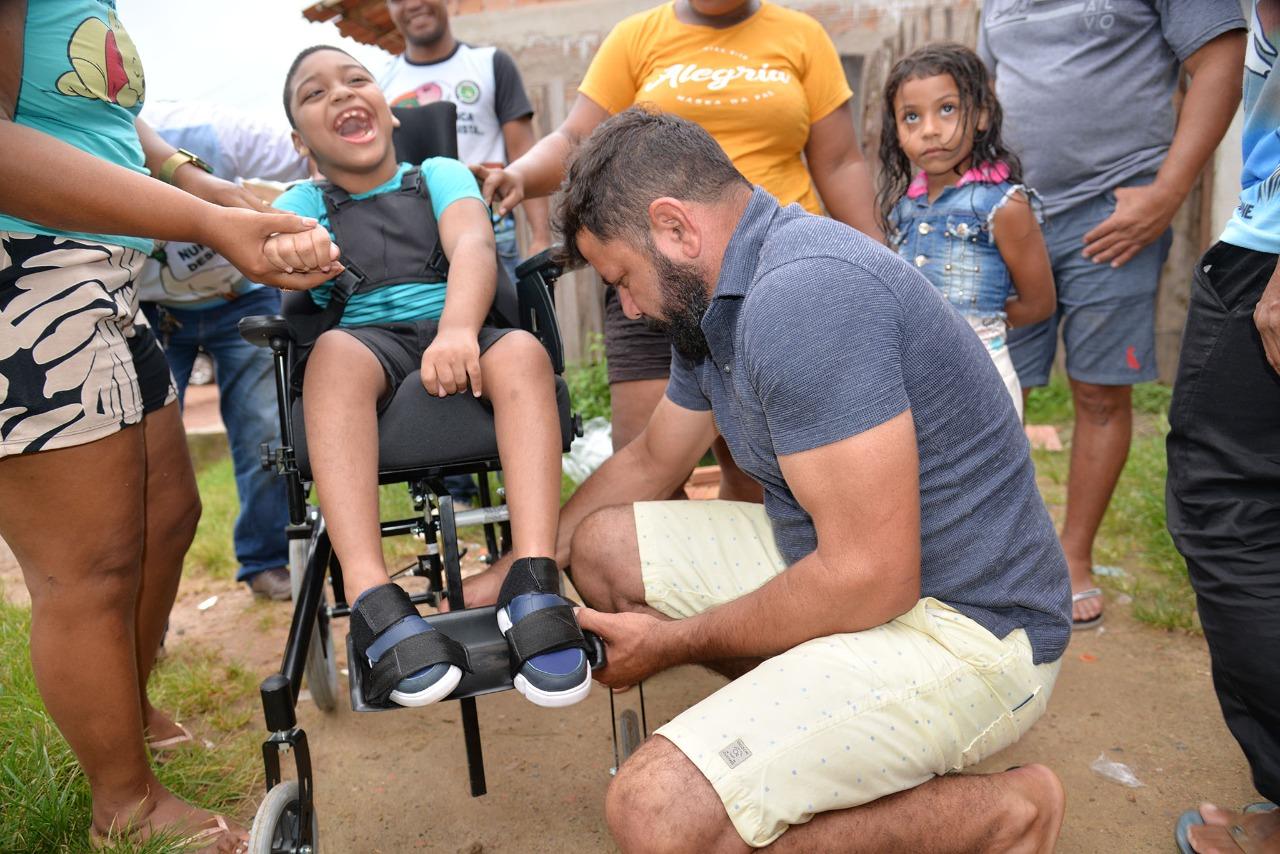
(629, 737)
(321, 668)
(275, 828)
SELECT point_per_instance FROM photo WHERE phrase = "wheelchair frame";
(286, 820)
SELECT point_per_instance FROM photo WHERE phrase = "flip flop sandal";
(173, 742)
(546, 646)
(1192, 818)
(99, 841)
(401, 658)
(1092, 622)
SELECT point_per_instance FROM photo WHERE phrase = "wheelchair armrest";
(546, 263)
(266, 330)
(538, 315)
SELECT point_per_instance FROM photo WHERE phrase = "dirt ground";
(396, 781)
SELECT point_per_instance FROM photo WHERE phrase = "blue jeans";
(508, 250)
(247, 399)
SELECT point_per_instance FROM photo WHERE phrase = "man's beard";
(684, 302)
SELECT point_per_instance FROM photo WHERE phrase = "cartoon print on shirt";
(105, 64)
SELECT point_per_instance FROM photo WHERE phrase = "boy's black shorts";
(398, 347)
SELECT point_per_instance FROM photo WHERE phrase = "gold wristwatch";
(178, 159)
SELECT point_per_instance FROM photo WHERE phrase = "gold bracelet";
(178, 159)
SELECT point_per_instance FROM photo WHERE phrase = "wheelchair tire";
(629, 737)
(275, 828)
(321, 667)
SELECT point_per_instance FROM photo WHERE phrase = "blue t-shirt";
(82, 83)
(447, 181)
(1256, 221)
(817, 333)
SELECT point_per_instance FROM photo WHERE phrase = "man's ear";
(673, 228)
(395, 120)
(984, 121)
(298, 145)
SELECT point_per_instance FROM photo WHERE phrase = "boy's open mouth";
(355, 125)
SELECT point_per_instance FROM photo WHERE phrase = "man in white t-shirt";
(495, 118)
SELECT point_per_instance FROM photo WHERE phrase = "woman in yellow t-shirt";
(767, 84)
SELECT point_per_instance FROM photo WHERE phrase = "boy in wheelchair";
(420, 240)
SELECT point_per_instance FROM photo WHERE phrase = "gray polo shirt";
(1087, 85)
(817, 333)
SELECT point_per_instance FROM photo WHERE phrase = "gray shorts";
(398, 347)
(1107, 315)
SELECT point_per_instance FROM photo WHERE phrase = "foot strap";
(379, 610)
(544, 630)
(529, 575)
(414, 653)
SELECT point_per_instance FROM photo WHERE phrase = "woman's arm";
(1021, 245)
(191, 178)
(840, 173)
(49, 182)
(539, 171)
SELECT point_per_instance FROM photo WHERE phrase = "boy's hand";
(450, 362)
(241, 236)
(304, 251)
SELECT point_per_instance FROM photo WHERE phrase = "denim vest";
(950, 241)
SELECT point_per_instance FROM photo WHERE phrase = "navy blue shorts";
(1107, 315)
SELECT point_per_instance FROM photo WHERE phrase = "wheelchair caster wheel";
(275, 828)
(629, 737)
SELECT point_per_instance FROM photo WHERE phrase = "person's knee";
(1100, 404)
(99, 572)
(518, 355)
(659, 801)
(603, 555)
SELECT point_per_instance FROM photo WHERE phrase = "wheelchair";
(422, 439)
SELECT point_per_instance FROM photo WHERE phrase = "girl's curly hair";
(977, 96)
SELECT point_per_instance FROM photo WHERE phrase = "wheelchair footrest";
(477, 630)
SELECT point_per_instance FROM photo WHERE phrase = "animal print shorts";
(78, 361)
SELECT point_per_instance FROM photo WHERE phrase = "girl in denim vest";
(952, 202)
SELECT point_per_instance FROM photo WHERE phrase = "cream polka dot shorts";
(837, 721)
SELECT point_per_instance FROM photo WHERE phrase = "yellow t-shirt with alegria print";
(756, 87)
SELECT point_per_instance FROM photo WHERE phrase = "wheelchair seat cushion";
(419, 432)
(401, 657)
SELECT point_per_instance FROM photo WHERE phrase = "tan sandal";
(196, 842)
(173, 742)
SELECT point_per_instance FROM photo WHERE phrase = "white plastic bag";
(589, 451)
(1116, 772)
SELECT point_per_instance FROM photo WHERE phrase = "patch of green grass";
(1050, 404)
(1133, 535)
(212, 554)
(589, 382)
(44, 797)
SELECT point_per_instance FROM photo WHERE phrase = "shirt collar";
(984, 173)
(738, 267)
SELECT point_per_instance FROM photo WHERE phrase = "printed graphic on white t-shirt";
(484, 84)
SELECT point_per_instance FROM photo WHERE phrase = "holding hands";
(452, 360)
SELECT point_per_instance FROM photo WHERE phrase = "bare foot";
(1043, 804)
(165, 813)
(1227, 832)
(158, 726)
(483, 587)
(1081, 569)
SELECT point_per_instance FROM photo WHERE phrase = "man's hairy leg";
(661, 802)
(342, 386)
